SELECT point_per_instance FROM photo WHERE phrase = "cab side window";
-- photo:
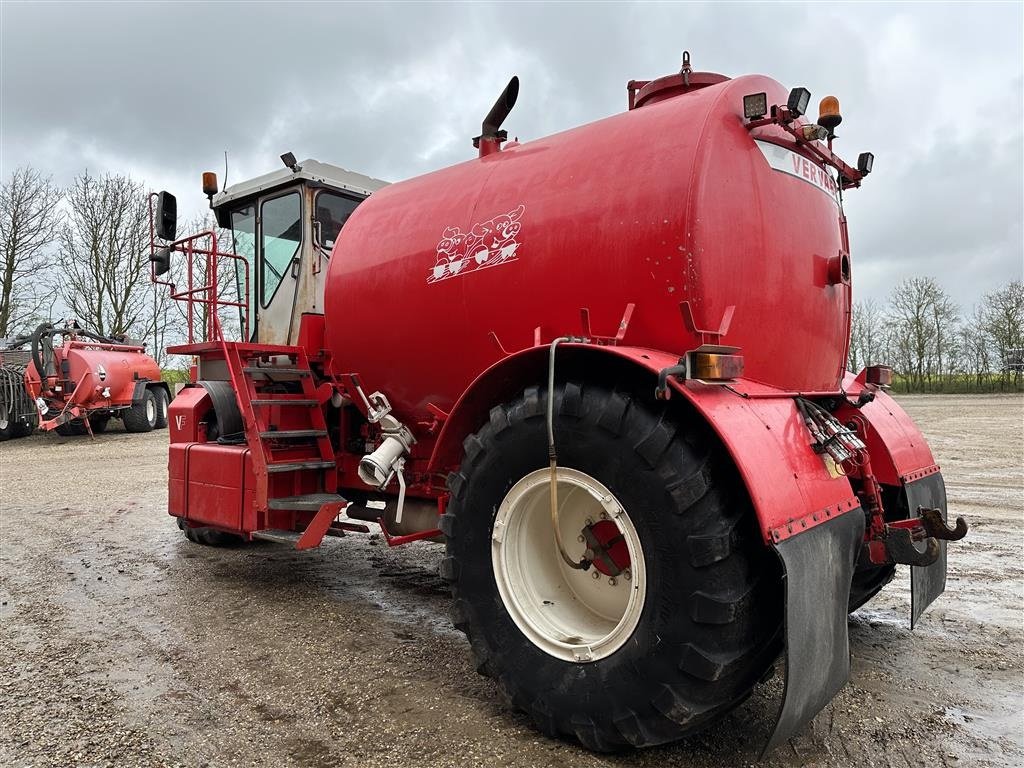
(332, 211)
(281, 222)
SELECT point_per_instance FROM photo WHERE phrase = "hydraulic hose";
(46, 329)
(583, 564)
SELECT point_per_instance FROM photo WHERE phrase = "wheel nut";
(612, 581)
(580, 538)
(589, 521)
(596, 575)
(627, 575)
(604, 515)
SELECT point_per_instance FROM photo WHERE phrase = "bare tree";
(867, 328)
(29, 217)
(162, 324)
(913, 332)
(946, 320)
(1003, 321)
(974, 348)
(103, 253)
(924, 323)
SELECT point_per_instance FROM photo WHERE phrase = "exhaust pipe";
(491, 135)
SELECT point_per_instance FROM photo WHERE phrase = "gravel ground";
(125, 645)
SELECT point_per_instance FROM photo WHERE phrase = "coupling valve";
(377, 468)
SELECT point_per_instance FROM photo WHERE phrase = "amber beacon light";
(828, 113)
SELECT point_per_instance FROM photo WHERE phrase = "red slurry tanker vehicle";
(653, 310)
(73, 381)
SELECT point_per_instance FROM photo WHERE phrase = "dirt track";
(124, 644)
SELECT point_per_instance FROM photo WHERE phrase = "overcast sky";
(159, 91)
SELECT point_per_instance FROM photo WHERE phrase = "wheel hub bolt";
(627, 575)
(604, 515)
(612, 581)
(580, 538)
(589, 521)
(596, 575)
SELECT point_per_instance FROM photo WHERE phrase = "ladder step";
(291, 466)
(270, 369)
(291, 434)
(310, 502)
(277, 536)
(284, 401)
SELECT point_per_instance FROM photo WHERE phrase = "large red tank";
(113, 370)
(80, 384)
(671, 201)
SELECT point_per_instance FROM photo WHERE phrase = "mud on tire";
(710, 626)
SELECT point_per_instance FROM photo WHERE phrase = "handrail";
(206, 295)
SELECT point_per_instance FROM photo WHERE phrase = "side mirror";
(166, 216)
(161, 261)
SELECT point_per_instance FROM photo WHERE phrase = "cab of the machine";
(284, 225)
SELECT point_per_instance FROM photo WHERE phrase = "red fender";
(899, 452)
(790, 485)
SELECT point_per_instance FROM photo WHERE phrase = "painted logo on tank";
(488, 244)
(795, 164)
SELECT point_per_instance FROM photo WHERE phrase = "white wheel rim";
(151, 411)
(567, 613)
(5, 420)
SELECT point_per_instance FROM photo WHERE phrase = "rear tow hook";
(900, 539)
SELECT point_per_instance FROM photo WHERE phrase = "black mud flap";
(818, 566)
(927, 582)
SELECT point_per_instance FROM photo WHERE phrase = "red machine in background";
(607, 367)
(18, 415)
(79, 380)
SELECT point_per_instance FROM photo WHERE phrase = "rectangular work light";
(755, 106)
(799, 99)
(865, 162)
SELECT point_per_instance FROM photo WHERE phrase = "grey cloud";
(160, 90)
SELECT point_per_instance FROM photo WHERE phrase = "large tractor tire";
(209, 537)
(142, 416)
(161, 407)
(99, 423)
(74, 428)
(226, 422)
(685, 630)
(869, 580)
(867, 583)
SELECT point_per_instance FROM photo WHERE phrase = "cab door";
(279, 228)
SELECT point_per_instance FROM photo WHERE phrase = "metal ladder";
(287, 435)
